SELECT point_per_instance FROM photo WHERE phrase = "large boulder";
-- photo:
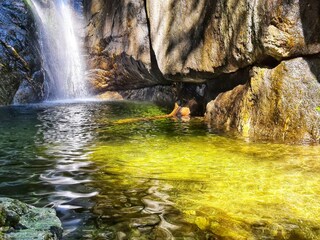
(276, 104)
(21, 221)
(19, 55)
(194, 40)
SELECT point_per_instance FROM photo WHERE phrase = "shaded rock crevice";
(154, 64)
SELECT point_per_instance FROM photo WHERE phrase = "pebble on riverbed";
(22, 221)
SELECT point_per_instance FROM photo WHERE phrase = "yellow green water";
(228, 187)
(161, 179)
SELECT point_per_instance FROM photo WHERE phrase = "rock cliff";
(218, 45)
(195, 40)
(19, 56)
(119, 46)
(223, 36)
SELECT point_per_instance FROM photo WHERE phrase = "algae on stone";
(21, 221)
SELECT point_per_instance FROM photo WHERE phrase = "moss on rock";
(21, 221)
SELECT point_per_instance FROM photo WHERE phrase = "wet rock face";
(119, 26)
(279, 104)
(22, 221)
(19, 56)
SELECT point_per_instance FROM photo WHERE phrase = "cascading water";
(59, 29)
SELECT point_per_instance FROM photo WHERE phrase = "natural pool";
(162, 179)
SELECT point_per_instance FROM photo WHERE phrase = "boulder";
(276, 104)
(29, 92)
(212, 37)
(21, 221)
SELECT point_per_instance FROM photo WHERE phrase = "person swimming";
(182, 113)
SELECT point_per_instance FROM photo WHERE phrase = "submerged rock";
(21, 221)
(276, 104)
(224, 226)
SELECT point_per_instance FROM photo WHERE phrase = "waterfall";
(59, 30)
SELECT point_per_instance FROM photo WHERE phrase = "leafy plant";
(318, 108)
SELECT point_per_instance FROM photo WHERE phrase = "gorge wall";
(21, 77)
(254, 62)
(196, 41)
(202, 49)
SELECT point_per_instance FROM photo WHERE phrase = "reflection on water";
(163, 179)
(64, 134)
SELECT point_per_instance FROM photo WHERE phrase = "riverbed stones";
(276, 104)
(21, 221)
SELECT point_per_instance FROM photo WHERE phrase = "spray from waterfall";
(59, 30)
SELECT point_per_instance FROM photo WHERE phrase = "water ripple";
(74, 195)
(61, 180)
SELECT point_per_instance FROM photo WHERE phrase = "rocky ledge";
(23, 222)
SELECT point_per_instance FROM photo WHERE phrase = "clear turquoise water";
(161, 179)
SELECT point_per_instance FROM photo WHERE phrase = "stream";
(161, 179)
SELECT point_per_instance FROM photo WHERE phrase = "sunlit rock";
(138, 44)
(207, 36)
(276, 104)
(292, 30)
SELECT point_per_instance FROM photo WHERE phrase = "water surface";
(162, 179)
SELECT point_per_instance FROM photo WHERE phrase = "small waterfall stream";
(59, 30)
